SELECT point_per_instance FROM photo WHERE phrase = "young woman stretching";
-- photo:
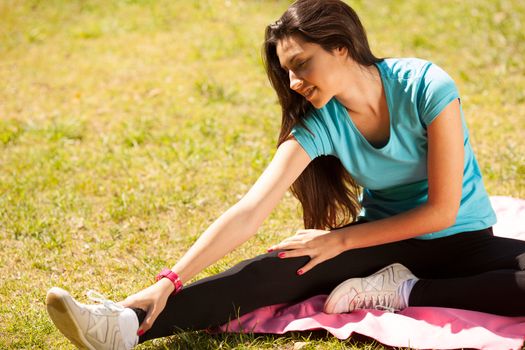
(391, 126)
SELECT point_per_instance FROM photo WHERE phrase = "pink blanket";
(414, 327)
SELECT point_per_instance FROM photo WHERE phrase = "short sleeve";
(315, 138)
(436, 91)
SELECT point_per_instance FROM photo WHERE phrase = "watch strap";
(172, 276)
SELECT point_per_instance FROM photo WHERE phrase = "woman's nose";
(295, 82)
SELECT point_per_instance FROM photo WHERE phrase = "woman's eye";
(302, 64)
(299, 66)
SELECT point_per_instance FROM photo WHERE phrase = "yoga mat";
(414, 327)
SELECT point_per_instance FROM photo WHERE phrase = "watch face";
(168, 274)
(164, 273)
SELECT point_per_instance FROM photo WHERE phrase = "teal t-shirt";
(394, 177)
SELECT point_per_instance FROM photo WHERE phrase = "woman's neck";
(361, 89)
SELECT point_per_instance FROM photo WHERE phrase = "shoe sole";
(61, 315)
(342, 289)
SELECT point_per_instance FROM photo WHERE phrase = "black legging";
(472, 270)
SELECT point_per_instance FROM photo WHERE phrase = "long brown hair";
(327, 192)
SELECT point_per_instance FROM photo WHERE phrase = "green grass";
(127, 127)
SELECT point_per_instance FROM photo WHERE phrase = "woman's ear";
(341, 51)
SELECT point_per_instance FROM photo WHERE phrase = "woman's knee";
(521, 261)
(270, 267)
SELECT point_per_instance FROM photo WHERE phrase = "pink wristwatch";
(173, 277)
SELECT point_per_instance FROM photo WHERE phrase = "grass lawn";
(127, 127)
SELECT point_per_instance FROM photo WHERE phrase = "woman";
(392, 126)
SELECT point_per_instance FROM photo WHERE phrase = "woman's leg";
(266, 280)
(500, 292)
(481, 273)
(444, 263)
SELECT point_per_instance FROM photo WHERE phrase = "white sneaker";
(378, 291)
(103, 326)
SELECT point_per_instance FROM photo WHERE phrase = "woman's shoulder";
(404, 68)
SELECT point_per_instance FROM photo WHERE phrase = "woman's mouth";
(309, 93)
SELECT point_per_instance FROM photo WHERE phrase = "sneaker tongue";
(108, 304)
(101, 309)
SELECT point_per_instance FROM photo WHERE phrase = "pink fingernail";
(300, 272)
(270, 250)
(280, 255)
(140, 332)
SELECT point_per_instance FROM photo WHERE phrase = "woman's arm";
(242, 221)
(445, 162)
(232, 228)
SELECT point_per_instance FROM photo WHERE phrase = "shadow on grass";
(289, 341)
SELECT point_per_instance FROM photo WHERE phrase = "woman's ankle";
(141, 314)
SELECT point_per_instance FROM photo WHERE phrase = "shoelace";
(385, 308)
(108, 304)
(378, 302)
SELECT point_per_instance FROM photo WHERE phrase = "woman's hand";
(319, 245)
(152, 300)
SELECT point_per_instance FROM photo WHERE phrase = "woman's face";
(313, 71)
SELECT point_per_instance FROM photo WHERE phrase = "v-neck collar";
(379, 66)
